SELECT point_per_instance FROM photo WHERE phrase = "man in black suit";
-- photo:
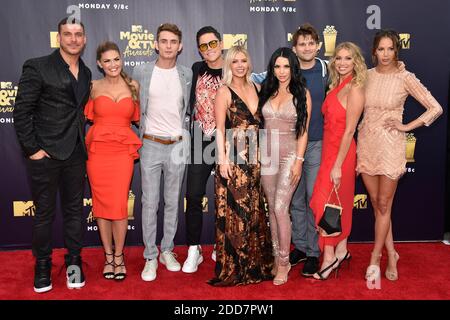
(49, 122)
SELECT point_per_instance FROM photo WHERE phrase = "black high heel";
(336, 269)
(109, 275)
(347, 258)
(120, 275)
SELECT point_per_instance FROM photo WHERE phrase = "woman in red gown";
(342, 109)
(112, 148)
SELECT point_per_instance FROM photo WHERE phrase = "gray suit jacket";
(143, 74)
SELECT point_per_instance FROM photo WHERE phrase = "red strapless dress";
(112, 148)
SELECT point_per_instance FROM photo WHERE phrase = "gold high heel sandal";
(283, 268)
(392, 274)
(282, 275)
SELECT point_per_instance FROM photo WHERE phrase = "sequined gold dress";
(380, 151)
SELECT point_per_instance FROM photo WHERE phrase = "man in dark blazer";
(49, 122)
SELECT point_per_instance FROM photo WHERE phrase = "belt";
(171, 141)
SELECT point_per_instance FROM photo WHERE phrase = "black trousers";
(47, 177)
(198, 173)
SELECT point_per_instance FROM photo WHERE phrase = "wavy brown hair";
(386, 33)
(108, 46)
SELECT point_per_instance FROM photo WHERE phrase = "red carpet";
(423, 274)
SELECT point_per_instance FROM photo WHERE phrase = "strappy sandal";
(373, 271)
(333, 267)
(120, 275)
(110, 274)
(393, 273)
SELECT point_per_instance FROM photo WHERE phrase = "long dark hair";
(297, 87)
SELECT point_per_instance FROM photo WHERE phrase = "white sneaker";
(213, 254)
(446, 238)
(167, 258)
(193, 259)
(149, 272)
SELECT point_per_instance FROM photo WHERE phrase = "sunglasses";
(212, 44)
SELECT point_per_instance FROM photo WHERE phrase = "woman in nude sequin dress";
(381, 140)
(285, 105)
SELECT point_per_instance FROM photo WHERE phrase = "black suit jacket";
(47, 114)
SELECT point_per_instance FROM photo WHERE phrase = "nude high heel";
(283, 269)
(393, 273)
(373, 271)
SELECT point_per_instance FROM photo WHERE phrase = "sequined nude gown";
(281, 146)
(243, 246)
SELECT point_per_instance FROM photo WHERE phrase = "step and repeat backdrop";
(29, 30)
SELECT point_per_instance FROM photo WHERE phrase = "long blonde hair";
(107, 46)
(359, 69)
(227, 75)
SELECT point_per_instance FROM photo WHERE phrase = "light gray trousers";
(157, 159)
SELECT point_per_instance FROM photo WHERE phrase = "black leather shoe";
(311, 266)
(42, 275)
(74, 273)
(296, 256)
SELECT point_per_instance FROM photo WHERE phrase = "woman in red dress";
(112, 148)
(342, 109)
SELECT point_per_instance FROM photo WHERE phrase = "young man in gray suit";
(164, 130)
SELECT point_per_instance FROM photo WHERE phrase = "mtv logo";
(24, 208)
(405, 40)
(360, 201)
(53, 40)
(5, 85)
(136, 28)
(230, 40)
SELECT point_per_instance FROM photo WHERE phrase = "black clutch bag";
(330, 223)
